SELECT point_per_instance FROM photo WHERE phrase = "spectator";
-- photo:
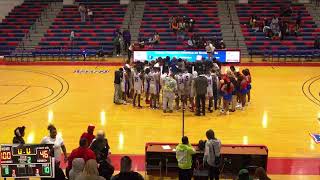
(72, 37)
(77, 168)
(90, 14)
(283, 30)
(82, 11)
(317, 43)
(105, 169)
(81, 152)
(252, 21)
(126, 39)
(89, 134)
(261, 174)
(298, 19)
(117, 43)
(200, 85)
(222, 45)
(18, 135)
(210, 49)
(244, 175)
(184, 154)
(155, 39)
(57, 142)
(130, 52)
(125, 171)
(212, 155)
(90, 171)
(100, 146)
(117, 86)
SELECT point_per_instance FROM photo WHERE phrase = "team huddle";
(188, 84)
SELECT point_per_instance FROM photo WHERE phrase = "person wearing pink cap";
(89, 134)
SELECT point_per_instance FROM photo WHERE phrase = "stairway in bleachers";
(17, 25)
(90, 35)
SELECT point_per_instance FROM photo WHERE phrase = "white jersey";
(137, 82)
(180, 82)
(209, 88)
(162, 78)
(154, 82)
(193, 91)
(187, 79)
(124, 82)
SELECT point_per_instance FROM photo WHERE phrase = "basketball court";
(284, 110)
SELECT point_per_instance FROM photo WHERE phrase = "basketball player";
(180, 85)
(243, 90)
(227, 90)
(210, 91)
(193, 92)
(146, 84)
(124, 84)
(137, 77)
(246, 73)
(154, 87)
(187, 79)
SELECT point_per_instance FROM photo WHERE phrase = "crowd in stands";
(182, 81)
(279, 26)
(121, 40)
(181, 26)
(90, 161)
(85, 13)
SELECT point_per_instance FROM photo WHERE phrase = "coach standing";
(200, 85)
(117, 86)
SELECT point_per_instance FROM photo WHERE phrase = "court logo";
(90, 71)
(316, 137)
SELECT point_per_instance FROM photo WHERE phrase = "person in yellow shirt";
(184, 154)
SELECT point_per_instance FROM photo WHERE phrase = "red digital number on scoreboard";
(6, 155)
(44, 154)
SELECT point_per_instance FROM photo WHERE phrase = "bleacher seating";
(91, 36)
(291, 46)
(157, 14)
(17, 24)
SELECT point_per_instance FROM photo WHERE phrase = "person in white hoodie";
(212, 155)
(77, 168)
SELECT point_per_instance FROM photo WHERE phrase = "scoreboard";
(22, 161)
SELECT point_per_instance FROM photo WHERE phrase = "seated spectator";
(261, 174)
(90, 171)
(89, 134)
(82, 11)
(100, 146)
(77, 168)
(18, 135)
(244, 175)
(252, 21)
(90, 14)
(175, 26)
(184, 154)
(222, 45)
(155, 39)
(105, 169)
(81, 152)
(283, 29)
(317, 43)
(286, 12)
(125, 171)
